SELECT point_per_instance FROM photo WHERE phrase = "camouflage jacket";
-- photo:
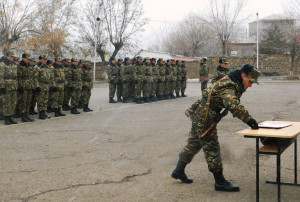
(161, 73)
(139, 72)
(225, 94)
(59, 76)
(8, 74)
(148, 73)
(25, 76)
(203, 71)
(52, 74)
(68, 75)
(44, 77)
(155, 72)
(76, 81)
(168, 73)
(219, 73)
(174, 72)
(179, 73)
(113, 73)
(126, 73)
(184, 72)
(87, 77)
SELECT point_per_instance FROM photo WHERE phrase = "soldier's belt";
(45, 82)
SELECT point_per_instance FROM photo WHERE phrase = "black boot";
(172, 96)
(178, 173)
(80, 105)
(177, 95)
(85, 108)
(223, 185)
(24, 118)
(17, 113)
(46, 115)
(29, 118)
(56, 112)
(119, 99)
(11, 120)
(74, 110)
(183, 95)
(41, 115)
(111, 100)
(60, 112)
(49, 109)
(31, 111)
(7, 122)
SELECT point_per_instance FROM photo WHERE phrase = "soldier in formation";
(151, 80)
(203, 73)
(48, 85)
(221, 71)
(224, 93)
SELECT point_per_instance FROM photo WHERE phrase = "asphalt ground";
(126, 152)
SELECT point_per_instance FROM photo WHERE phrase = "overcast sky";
(161, 12)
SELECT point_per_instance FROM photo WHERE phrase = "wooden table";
(280, 134)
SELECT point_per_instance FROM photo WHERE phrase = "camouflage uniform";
(68, 81)
(26, 85)
(132, 83)
(148, 80)
(174, 81)
(113, 79)
(35, 70)
(161, 79)
(75, 85)
(203, 73)
(1, 88)
(179, 78)
(155, 71)
(127, 79)
(52, 87)
(225, 94)
(139, 76)
(58, 90)
(120, 83)
(184, 79)
(9, 87)
(87, 85)
(42, 89)
(169, 80)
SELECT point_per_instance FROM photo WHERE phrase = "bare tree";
(15, 18)
(123, 21)
(225, 18)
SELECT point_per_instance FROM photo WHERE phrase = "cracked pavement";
(126, 152)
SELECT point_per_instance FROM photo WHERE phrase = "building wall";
(269, 65)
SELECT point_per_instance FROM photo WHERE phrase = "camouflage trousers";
(173, 87)
(126, 89)
(203, 85)
(9, 102)
(147, 88)
(138, 89)
(25, 101)
(161, 88)
(58, 98)
(154, 90)
(75, 97)
(132, 89)
(50, 98)
(168, 87)
(211, 149)
(67, 95)
(42, 100)
(85, 96)
(33, 99)
(183, 85)
(113, 87)
(178, 86)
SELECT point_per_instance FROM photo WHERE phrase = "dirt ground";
(126, 152)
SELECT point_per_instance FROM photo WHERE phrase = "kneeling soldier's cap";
(251, 72)
(10, 53)
(223, 60)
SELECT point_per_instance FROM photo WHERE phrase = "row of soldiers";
(49, 85)
(146, 80)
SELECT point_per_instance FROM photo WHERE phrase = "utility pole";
(257, 39)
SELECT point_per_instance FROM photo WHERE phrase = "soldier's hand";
(253, 124)
(38, 89)
(3, 90)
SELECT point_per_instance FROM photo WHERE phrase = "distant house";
(245, 47)
(266, 23)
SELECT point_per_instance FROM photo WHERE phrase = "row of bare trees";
(54, 27)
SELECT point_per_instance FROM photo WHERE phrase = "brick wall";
(274, 65)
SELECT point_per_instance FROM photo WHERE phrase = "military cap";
(88, 62)
(10, 53)
(112, 58)
(42, 57)
(32, 59)
(169, 60)
(49, 62)
(74, 60)
(120, 60)
(154, 59)
(139, 58)
(160, 59)
(58, 58)
(223, 60)
(127, 58)
(67, 60)
(251, 72)
(25, 55)
(81, 62)
(204, 59)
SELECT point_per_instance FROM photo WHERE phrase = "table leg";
(295, 160)
(278, 172)
(257, 169)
